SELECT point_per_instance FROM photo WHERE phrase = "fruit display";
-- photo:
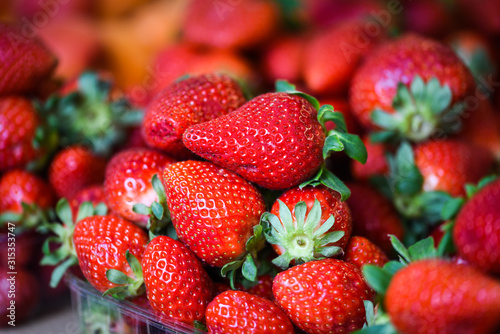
(251, 166)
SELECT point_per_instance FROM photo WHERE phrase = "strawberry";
(263, 287)
(376, 163)
(276, 140)
(227, 207)
(449, 164)
(128, 181)
(21, 288)
(483, 17)
(438, 296)
(19, 123)
(176, 283)
(410, 87)
(360, 251)
(101, 244)
(91, 111)
(241, 312)
(283, 59)
(191, 101)
(93, 194)
(24, 61)
(308, 223)
(427, 17)
(75, 168)
(477, 229)
(373, 216)
(24, 198)
(231, 25)
(324, 296)
(28, 240)
(483, 128)
(333, 55)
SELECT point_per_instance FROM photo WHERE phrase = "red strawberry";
(128, 181)
(484, 17)
(417, 78)
(376, 163)
(19, 186)
(437, 296)
(191, 101)
(283, 59)
(176, 283)
(448, 165)
(101, 243)
(360, 251)
(241, 312)
(263, 288)
(373, 216)
(477, 229)
(23, 289)
(18, 123)
(75, 168)
(29, 241)
(231, 25)
(483, 128)
(273, 140)
(93, 194)
(308, 217)
(213, 210)
(426, 17)
(24, 62)
(324, 296)
(332, 56)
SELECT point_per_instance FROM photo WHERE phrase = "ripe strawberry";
(128, 181)
(191, 101)
(427, 17)
(308, 223)
(176, 283)
(376, 163)
(19, 123)
(93, 194)
(19, 186)
(241, 312)
(373, 216)
(24, 61)
(213, 210)
(333, 55)
(324, 296)
(101, 243)
(477, 229)
(437, 296)
(360, 251)
(283, 59)
(231, 25)
(483, 17)
(448, 165)
(263, 288)
(408, 86)
(75, 168)
(483, 128)
(25, 292)
(273, 140)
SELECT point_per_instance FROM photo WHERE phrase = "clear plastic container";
(109, 315)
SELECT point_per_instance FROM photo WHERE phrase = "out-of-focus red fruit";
(42, 12)
(27, 244)
(332, 56)
(483, 15)
(426, 17)
(93, 194)
(26, 292)
(74, 40)
(376, 164)
(230, 24)
(373, 216)
(283, 59)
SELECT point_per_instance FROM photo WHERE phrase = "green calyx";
(336, 140)
(249, 264)
(305, 240)
(420, 111)
(31, 216)
(90, 117)
(128, 286)
(159, 222)
(65, 255)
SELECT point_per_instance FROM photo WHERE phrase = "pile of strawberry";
(272, 212)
